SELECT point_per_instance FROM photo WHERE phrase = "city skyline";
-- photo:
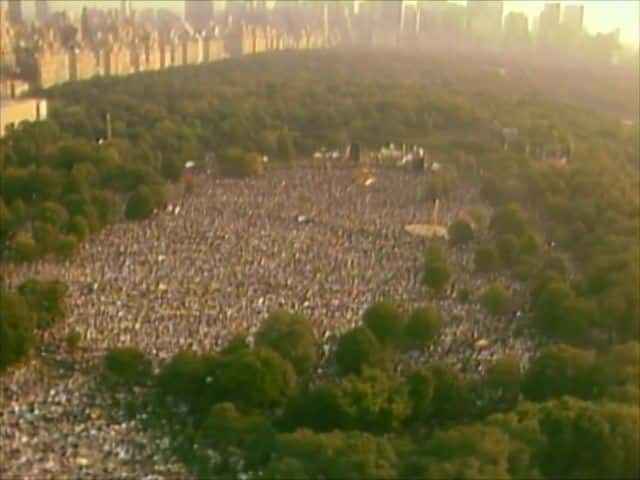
(601, 16)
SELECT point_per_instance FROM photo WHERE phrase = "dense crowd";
(215, 262)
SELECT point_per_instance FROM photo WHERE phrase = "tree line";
(261, 408)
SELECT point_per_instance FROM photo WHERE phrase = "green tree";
(52, 213)
(335, 455)
(559, 313)
(258, 378)
(466, 452)
(65, 246)
(423, 326)
(286, 150)
(105, 205)
(356, 349)
(460, 232)
(485, 259)
(508, 249)
(225, 426)
(504, 382)
(589, 440)
(385, 321)
(8, 224)
(79, 228)
(172, 168)
(140, 204)
(127, 365)
(25, 248)
(373, 401)
(290, 335)
(183, 376)
(46, 299)
(496, 300)
(508, 220)
(236, 163)
(436, 269)
(451, 394)
(560, 370)
(45, 235)
(16, 328)
(320, 408)
(421, 387)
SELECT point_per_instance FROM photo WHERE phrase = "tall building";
(549, 22)
(42, 10)
(198, 13)
(573, 17)
(14, 12)
(516, 29)
(484, 18)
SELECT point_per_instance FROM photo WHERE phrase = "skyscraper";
(516, 29)
(198, 13)
(548, 22)
(42, 10)
(484, 18)
(573, 17)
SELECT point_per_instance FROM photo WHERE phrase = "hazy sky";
(600, 15)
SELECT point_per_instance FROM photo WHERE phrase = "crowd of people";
(215, 262)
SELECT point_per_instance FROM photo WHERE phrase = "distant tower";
(42, 10)
(198, 13)
(15, 12)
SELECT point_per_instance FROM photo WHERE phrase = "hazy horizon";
(601, 16)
